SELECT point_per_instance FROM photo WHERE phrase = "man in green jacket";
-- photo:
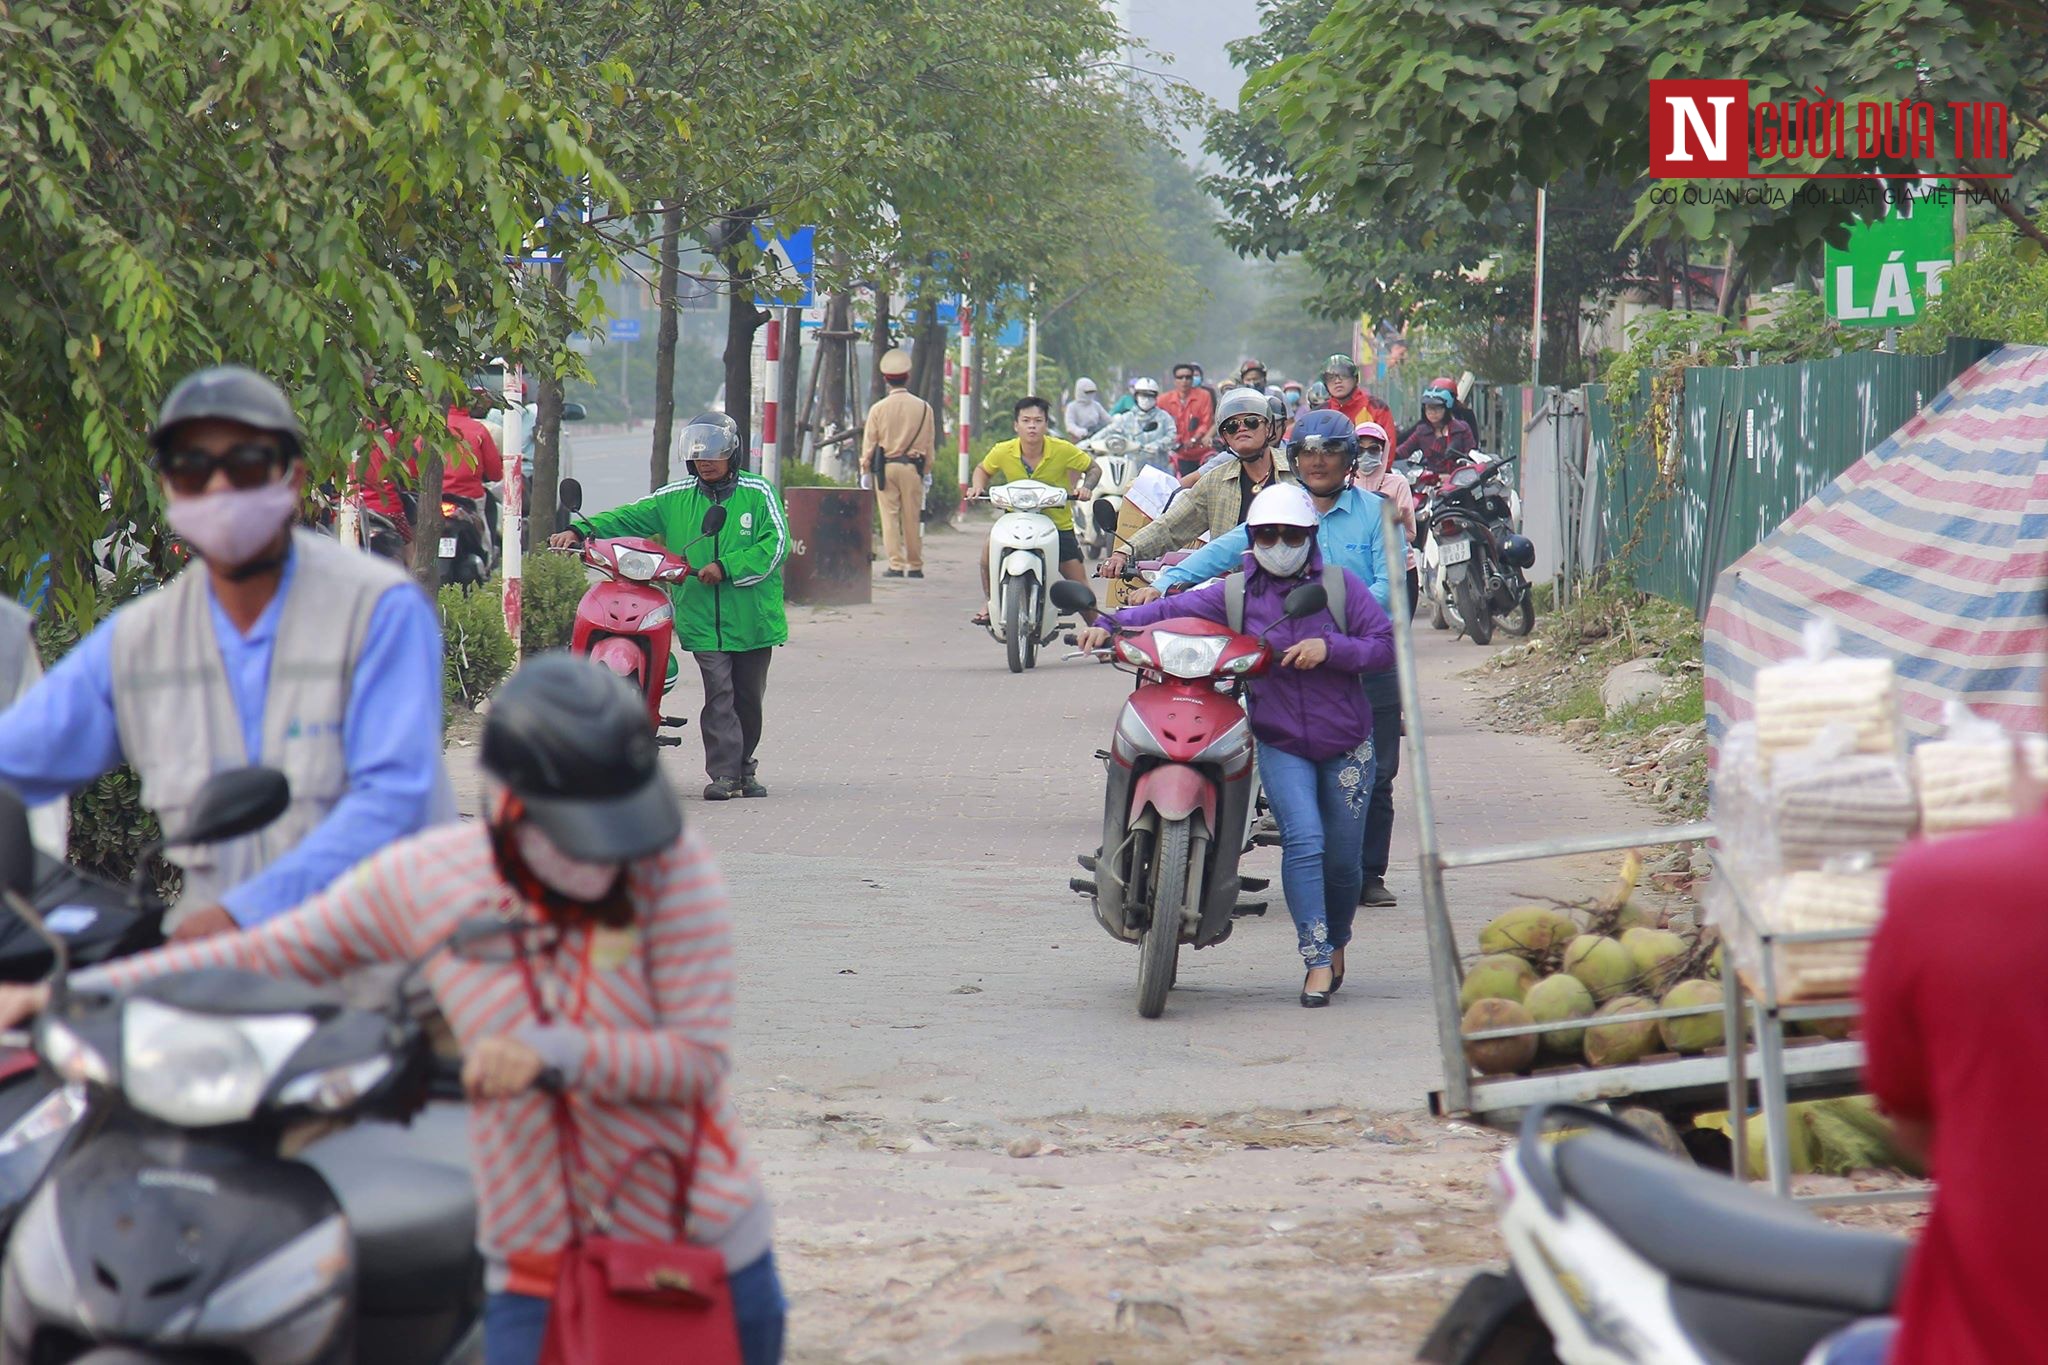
(729, 612)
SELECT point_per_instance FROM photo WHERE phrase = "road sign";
(1891, 268)
(625, 329)
(787, 271)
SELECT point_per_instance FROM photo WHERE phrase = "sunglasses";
(248, 464)
(1183, 374)
(1237, 424)
(1270, 536)
(1335, 445)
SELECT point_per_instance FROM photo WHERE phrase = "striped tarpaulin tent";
(1931, 551)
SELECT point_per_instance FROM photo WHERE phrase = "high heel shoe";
(1336, 972)
(1312, 1000)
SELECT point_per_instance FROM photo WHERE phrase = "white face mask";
(557, 871)
(1282, 560)
(231, 527)
(1371, 462)
(1147, 401)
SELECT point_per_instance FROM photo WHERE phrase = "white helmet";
(1242, 401)
(1150, 386)
(1282, 504)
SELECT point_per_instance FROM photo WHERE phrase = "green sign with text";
(1891, 268)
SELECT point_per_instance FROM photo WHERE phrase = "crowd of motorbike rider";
(283, 647)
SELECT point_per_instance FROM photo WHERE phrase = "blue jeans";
(1321, 808)
(516, 1324)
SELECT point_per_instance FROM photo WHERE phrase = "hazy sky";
(1193, 32)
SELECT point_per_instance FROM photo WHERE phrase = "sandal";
(979, 618)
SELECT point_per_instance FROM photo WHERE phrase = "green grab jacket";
(745, 610)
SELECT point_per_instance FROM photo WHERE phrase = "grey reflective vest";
(177, 718)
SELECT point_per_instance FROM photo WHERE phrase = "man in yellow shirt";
(1048, 459)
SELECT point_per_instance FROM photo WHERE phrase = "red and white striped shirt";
(646, 1042)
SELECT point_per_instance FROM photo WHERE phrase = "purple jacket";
(1314, 713)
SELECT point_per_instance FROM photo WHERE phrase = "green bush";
(476, 653)
(796, 474)
(551, 585)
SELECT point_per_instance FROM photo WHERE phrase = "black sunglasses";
(1183, 374)
(1236, 424)
(1336, 445)
(1273, 535)
(248, 464)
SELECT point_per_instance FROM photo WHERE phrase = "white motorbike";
(1023, 563)
(1624, 1255)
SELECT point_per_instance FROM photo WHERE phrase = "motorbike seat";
(415, 1227)
(1707, 1231)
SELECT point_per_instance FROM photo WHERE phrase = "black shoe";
(892, 573)
(1336, 976)
(917, 573)
(724, 789)
(750, 787)
(1375, 896)
(1312, 1000)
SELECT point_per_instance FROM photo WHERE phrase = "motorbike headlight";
(1130, 653)
(198, 1070)
(660, 616)
(1242, 664)
(638, 565)
(1189, 656)
(336, 1088)
(73, 1059)
(1116, 445)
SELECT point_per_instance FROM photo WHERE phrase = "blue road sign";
(1012, 335)
(625, 329)
(790, 267)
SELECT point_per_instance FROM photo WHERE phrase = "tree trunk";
(1734, 286)
(667, 285)
(426, 525)
(876, 385)
(832, 363)
(547, 426)
(928, 374)
(743, 319)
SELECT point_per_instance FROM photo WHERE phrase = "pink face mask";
(231, 527)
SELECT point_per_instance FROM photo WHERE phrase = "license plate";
(1456, 551)
(447, 547)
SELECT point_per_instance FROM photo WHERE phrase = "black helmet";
(713, 436)
(1341, 364)
(573, 742)
(1276, 408)
(229, 393)
(1518, 550)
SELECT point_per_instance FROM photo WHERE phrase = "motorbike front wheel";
(1036, 615)
(1013, 623)
(1472, 606)
(1159, 952)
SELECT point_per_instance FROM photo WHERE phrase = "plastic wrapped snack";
(1827, 806)
(1805, 902)
(1798, 699)
(1971, 777)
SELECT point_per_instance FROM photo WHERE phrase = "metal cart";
(1672, 1085)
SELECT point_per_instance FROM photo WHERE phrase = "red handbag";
(620, 1302)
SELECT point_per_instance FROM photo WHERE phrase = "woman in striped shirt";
(632, 965)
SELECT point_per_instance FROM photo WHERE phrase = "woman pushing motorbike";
(1308, 712)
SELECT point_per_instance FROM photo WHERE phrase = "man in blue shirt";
(280, 648)
(1324, 450)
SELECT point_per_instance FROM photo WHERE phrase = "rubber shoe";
(751, 786)
(1374, 895)
(917, 573)
(724, 789)
(892, 573)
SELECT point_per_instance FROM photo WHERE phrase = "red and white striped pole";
(512, 505)
(771, 455)
(966, 396)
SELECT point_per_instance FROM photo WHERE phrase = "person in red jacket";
(484, 465)
(1193, 410)
(1348, 396)
(1438, 439)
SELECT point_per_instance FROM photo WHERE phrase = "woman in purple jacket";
(1310, 715)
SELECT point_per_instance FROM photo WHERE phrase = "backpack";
(1233, 597)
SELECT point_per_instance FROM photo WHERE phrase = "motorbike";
(185, 1218)
(1177, 814)
(1023, 558)
(1477, 560)
(1623, 1255)
(626, 620)
(466, 542)
(1123, 447)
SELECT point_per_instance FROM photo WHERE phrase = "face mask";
(231, 527)
(1146, 402)
(560, 873)
(1371, 460)
(1282, 560)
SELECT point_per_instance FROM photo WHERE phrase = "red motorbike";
(626, 620)
(1181, 786)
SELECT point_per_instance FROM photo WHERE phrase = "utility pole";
(966, 422)
(511, 508)
(1536, 331)
(771, 401)
(1031, 345)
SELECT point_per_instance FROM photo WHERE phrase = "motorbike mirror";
(236, 802)
(1070, 596)
(575, 412)
(714, 521)
(570, 496)
(1306, 600)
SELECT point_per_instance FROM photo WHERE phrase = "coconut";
(1499, 1056)
(1633, 917)
(1836, 1029)
(1529, 932)
(1553, 1000)
(1503, 976)
(1601, 963)
(1695, 1033)
(1621, 1040)
(1658, 955)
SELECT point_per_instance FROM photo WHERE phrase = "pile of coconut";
(1602, 962)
